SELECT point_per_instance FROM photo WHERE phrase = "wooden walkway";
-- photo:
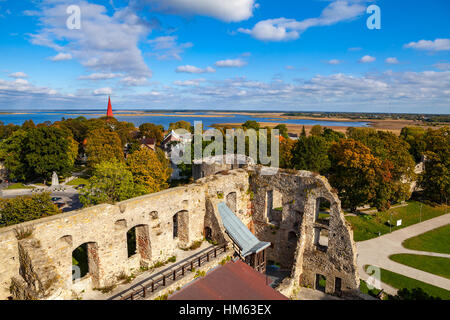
(168, 276)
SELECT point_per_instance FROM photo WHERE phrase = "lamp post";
(421, 212)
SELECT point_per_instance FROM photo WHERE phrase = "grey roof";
(240, 234)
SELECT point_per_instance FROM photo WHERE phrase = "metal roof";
(240, 234)
(233, 281)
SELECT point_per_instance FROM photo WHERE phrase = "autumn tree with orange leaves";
(359, 176)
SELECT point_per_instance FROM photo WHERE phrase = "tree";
(413, 294)
(435, 180)
(150, 130)
(414, 137)
(283, 130)
(251, 124)
(332, 136)
(316, 130)
(110, 182)
(103, 145)
(26, 208)
(311, 153)
(303, 134)
(148, 171)
(180, 125)
(38, 152)
(286, 153)
(389, 147)
(357, 174)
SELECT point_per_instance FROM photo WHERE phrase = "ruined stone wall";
(291, 230)
(293, 236)
(104, 228)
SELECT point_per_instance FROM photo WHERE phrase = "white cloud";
(62, 57)
(193, 69)
(189, 83)
(134, 82)
(105, 43)
(290, 68)
(103, 91)
(283, 29)
(18, 75)
(436, 45)
(167, 48)
(225, 10)
(231, 63)
(442, 66)
(367, 59)
(392, 60)
(334, 61)
(100, 76)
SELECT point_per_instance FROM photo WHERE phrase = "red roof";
(233, 281)
(109, 113)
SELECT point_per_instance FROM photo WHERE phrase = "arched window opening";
(85, 262)
(231, 201)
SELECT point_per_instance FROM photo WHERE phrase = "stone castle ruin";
(296, 211)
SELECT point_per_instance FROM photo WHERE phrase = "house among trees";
(171, 137)
(149, 143)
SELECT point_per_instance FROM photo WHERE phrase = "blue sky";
(238, 54)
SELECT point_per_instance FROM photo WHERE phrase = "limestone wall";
(287, 220)
(293, 235)
(105, 227)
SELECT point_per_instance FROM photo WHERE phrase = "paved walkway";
(376, 252)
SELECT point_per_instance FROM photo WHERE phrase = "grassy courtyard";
(77, 182)
(368, 226)
(436, 240)
(18, 185)
(436, 265)
(399, 281)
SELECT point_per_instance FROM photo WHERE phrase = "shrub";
(23, 232)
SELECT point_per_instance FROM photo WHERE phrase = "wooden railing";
(177, 273)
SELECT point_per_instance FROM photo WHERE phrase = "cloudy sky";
(235, 54)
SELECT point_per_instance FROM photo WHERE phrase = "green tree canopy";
(283, 130)
(38, 152)
(26, 208)
(148, 171)
(150, 130)
(181, 125)
(435, 181)
(110, 182)
(251, 124)
(311, 153)
(102, 145)
(358, 175)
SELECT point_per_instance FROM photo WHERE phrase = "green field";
(436, 240)
(18, 185)
(77, 182)
(399, 281)
(366, 227)
(436, 265)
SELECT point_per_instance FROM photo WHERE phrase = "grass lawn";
(366, 227)
(18, 185)
(364, 289)
(77, 182)
(436, 240)
(399, 281)
(436, 265)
